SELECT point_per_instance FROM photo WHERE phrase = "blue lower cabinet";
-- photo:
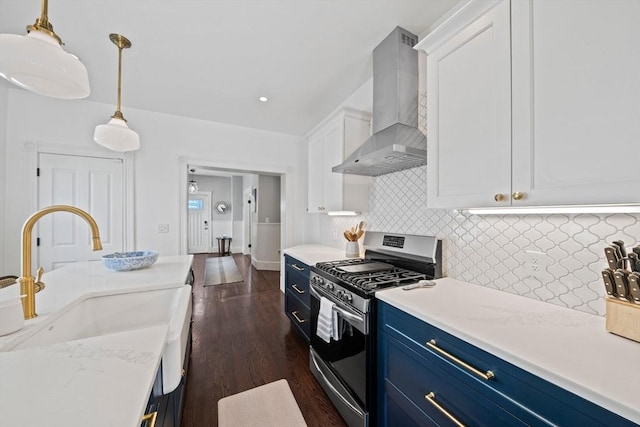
(399, 410)
(435, 393)
(435, 377)
(299, 313)
(296, 295)
(167, 407)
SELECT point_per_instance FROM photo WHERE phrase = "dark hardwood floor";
(242, 339)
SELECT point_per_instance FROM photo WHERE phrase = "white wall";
(166, 141)
(5, 182)
(269, 198)
(236, 213)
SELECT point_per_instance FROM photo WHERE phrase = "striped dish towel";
(327, 321)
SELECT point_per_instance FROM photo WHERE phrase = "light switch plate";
(163, 228)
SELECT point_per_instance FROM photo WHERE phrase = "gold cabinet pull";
(484, 375)
(151, 417)
(295, 287)
(295, 314)
(431, 398)
(517, 195)
(499, 197)
(297, 268)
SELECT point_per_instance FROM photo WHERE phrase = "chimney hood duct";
(396, 143)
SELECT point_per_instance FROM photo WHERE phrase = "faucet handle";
(39, 285)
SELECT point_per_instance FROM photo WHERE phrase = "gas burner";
(369, 275)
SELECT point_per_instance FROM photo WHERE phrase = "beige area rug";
(270, 405)
(220, 270)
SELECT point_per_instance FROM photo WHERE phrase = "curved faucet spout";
(27, 282)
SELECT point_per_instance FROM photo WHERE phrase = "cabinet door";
(576, 94)
(469, 114)
(333, 155)
(315, 193)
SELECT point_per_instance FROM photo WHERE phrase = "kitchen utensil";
(420, 284)
(634, 261)
(620, 244)
(612, 254)
(622, 283)
(609, 284)
(634, 287)
(636, 249)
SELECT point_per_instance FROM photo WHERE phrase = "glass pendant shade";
(38, 63)
(193, 187)
(116, 136)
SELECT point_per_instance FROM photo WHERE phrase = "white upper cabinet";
(576, 101)
(469, 113)
(329, 144)
(534, 103)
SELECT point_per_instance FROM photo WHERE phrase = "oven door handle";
(314, 292)
(347, 315)
(332, 387)
(359, 322)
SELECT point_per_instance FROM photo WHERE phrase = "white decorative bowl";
(125, 261)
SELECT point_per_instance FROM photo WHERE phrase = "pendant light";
(193, 187)
(116, 135)
(37, 62)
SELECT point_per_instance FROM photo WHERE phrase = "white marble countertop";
(313, 254)
(101, 381)
(74, 280)
(566, 347)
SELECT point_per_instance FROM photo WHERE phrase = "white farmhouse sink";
(95, 316)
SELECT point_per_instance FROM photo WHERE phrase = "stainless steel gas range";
(343, 315)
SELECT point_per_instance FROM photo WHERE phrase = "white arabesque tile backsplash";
(491, 250)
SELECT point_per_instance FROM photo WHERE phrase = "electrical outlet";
(163, 228)
(536, 263)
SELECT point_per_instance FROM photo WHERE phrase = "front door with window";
(199, 207)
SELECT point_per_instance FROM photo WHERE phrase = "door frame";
(286, 194)
(247, 219)
(33, 149)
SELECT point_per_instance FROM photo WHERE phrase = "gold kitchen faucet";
(29, 285)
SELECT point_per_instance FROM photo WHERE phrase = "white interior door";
(92, 184)
(199, 207)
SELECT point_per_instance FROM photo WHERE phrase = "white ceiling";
(212, 59)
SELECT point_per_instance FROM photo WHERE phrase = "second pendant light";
(116, 135)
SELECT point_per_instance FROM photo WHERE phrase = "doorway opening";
(247, 208)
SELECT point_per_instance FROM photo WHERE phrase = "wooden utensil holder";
(623, 318)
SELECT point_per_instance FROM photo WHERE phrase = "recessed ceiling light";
(263, 99)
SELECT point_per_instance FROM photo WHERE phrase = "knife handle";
(620, 244)
(634, 287)
(622, 284)
(611, 253)
(609, 285)
(634, 261)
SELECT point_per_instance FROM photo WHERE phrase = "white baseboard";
(265, 265)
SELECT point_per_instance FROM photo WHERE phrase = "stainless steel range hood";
(396, 143)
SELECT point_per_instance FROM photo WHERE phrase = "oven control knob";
(318, 280)
(340, 294)
(331, 286)
(347, 297)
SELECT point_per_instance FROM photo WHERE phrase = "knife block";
(623, 318)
